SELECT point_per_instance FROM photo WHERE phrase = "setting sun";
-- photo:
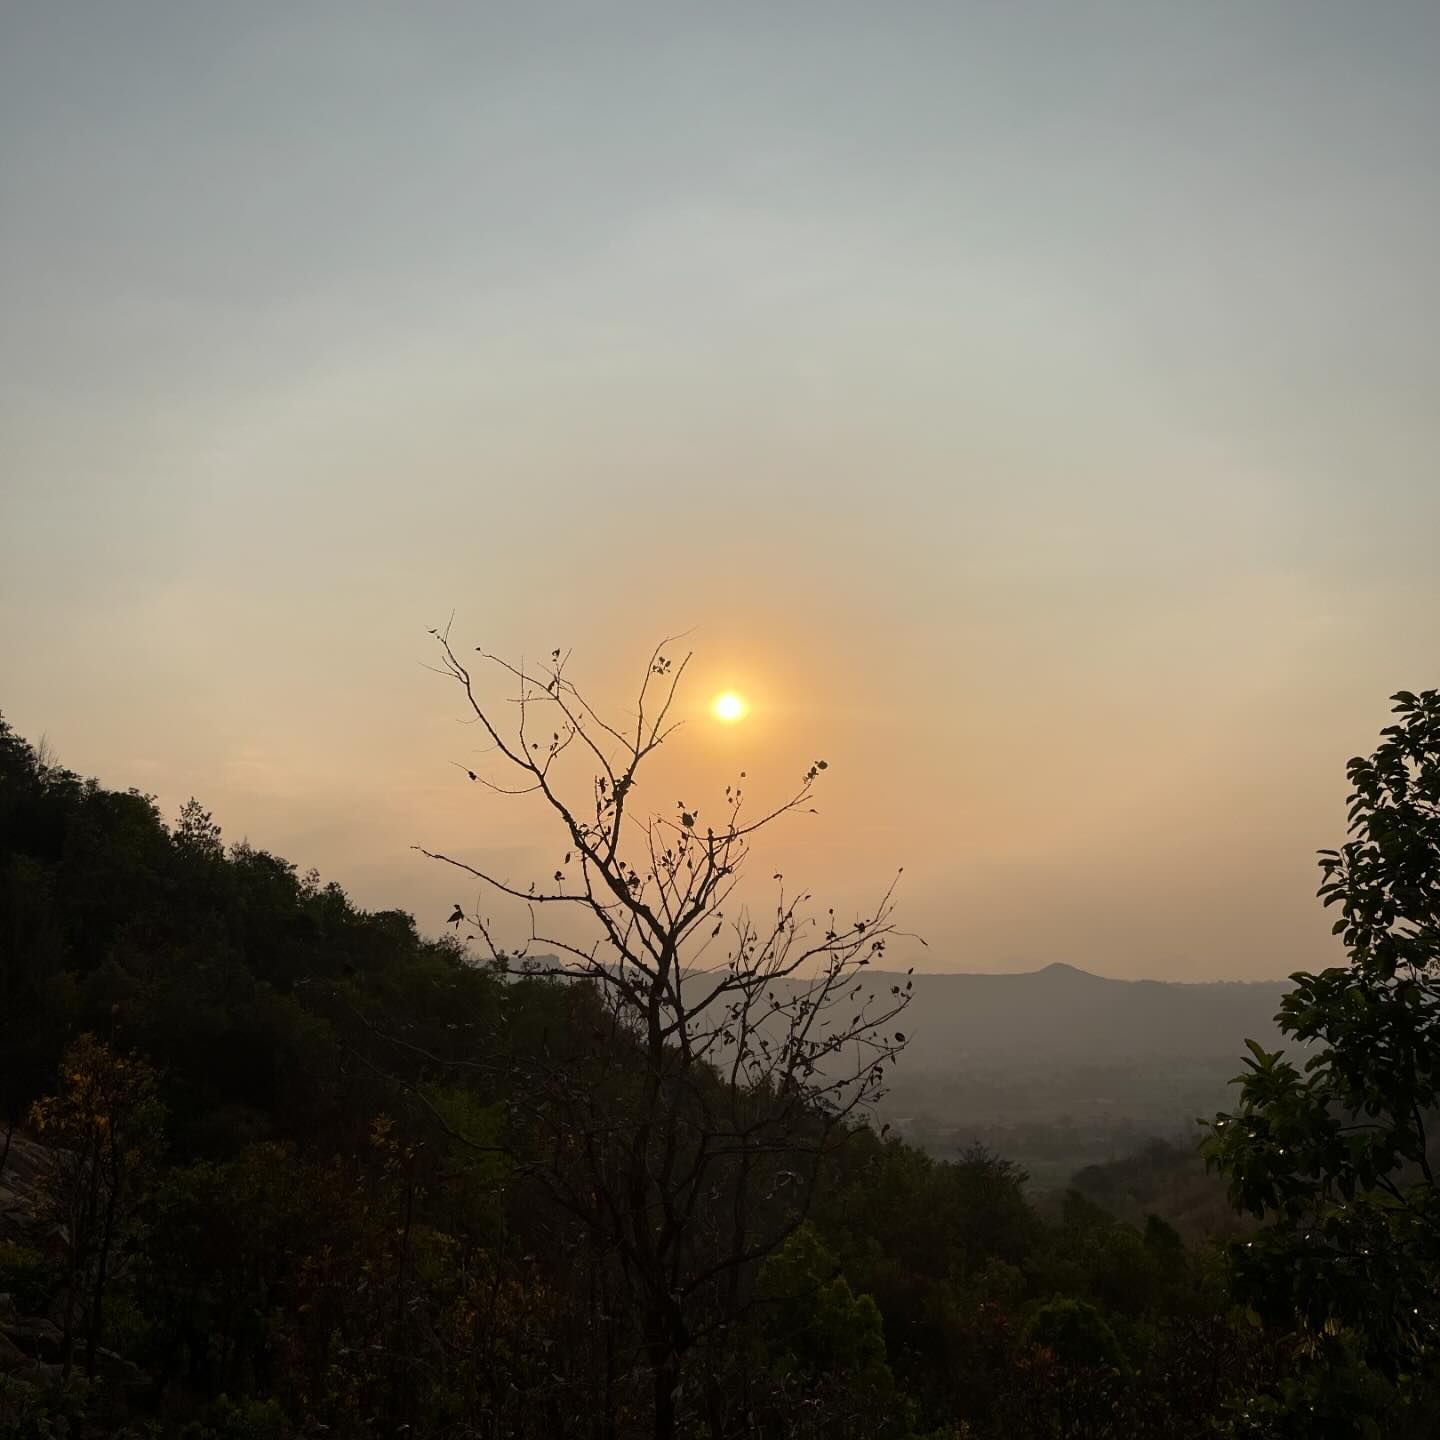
(728, 707)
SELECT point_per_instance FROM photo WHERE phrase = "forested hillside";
(275, 1166)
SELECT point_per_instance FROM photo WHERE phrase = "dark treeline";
(267, 1173)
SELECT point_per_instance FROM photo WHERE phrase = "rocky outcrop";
(22, 1184)
(31, 1346)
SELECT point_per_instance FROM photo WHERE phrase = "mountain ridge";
(1061, 1014)
(1061, 968)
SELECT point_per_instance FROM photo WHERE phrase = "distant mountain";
(1064, 1016)
(1060, 1069)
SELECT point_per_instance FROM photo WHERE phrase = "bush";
(1076, 1333)
(25, 1275)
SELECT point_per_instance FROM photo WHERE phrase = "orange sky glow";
(1030, 413)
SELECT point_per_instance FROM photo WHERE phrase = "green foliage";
(26, 1275)
(1076, 1333)
(43, 1409)
(1332, 1148)
(243, 1419)
(812, 1318)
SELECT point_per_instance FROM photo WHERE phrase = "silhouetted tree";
(685, 1135)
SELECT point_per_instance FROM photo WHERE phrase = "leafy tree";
(812, 1317)
(108, 1123)
(196, 834)
(819, 1365)
(1076, 1333)
(1334, 1148)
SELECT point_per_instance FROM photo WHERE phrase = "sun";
(728, 707)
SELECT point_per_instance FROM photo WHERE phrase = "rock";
(15, 1363)
(38, 1337)
(120, 1371)
(23, 1183)
(12, 1357)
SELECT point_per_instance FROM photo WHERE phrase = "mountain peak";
(1059, 969)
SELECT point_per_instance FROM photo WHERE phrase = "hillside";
(277, 1166)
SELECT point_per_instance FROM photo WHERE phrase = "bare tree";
(732, 1051)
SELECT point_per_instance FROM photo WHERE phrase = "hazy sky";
(1034, 408)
